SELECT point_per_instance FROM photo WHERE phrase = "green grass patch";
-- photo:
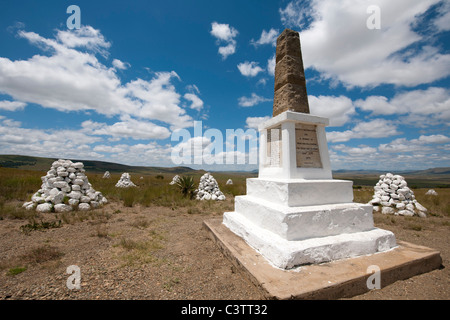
(16, 270)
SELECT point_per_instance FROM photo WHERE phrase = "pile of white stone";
(229, 181)
(431, 192)
(208, 189)
(393, 196)
(65, 188)
(125, 181)
(175, 180)
(107, 175)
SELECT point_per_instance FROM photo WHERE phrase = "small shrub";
(40, 226)
(186, 186)
(16, 270)
(159, 176)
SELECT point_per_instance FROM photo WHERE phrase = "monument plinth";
(295, 213)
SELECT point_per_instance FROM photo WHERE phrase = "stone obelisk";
(290, 85)
(295, 213)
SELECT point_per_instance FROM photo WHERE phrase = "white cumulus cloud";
(337, 43)
(249, 69)
(225, 34)
(251, 101)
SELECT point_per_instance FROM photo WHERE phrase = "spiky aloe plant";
(187, 187)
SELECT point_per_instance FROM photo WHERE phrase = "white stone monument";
(295, 213)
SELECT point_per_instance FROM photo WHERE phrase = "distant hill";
(444, 170)
(43, 164)
(429, 178)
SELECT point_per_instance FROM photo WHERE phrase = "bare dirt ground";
(159, 253)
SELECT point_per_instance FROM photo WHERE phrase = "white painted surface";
(296, 223)
(289, 169)
(287, 254)
(301, 192)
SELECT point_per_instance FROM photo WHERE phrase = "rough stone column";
(290, 85)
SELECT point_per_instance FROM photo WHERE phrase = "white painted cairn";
(392, 196)
(175, 180)
(125, 181)
(208, 189)
(65, 188)
(431, 192)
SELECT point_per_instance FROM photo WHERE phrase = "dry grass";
(139, 252)
(40, 255)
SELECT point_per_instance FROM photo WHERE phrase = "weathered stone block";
(290, 97)
(288, 43)
(289, 70)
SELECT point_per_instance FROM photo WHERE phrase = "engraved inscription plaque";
(307, 148)
(274, 147)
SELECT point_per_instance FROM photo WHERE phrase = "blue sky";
(135, 72)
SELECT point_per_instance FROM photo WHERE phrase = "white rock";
(26, 204)
(431, 192)
(387, 210)
(421, 214)
(73, 202)
(406, 213)
(420, 207)
(206, 197)
(78, 181)
(44, 207)
(58, 198)
(95, 204)
(78, 165)
(63, 174)
(400, 206)
(60, 184)
(84, 207)
(30, 206)
(75, 195)
(85, 199)
(375, 200)
(61, 207)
